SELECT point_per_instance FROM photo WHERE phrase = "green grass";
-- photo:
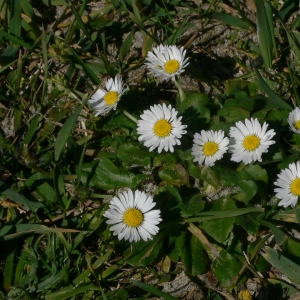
(60, 165)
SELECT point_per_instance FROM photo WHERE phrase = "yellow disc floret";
(244, 295)
(295, 187)
(133, 217)
(172, 66)
(210, 148)
(297, 124)
(162, 128)
(111, 98)
(251, 142)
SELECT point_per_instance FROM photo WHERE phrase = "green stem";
(181, 92)
(92, 195)
(130, 116)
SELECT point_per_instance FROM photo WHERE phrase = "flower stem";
(181, 92)
(130, 116)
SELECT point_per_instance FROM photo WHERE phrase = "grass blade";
(11, 194)
(65, 132)
(213, 215)
(33, 128)
(282, 264)
(79, 20)
(86, 69)
(15, 21)
(272, 95)
(126, 46)
(153, 290)
(9, 232)
(15, 40)
(264, 34)
(228, 19)
(45, 58)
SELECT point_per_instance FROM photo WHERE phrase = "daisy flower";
(131, 216)
(166, 62)
(294, 120)
(160, 127)
(289, 185)
(104, 101)
(209, 146)
(249, 140)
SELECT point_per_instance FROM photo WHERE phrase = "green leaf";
(213, 215)
(254, 172)
(249, 222)
(144, 253)
(220, 229)
(209, 176)
(291, 249)
(174, 174)
(72, 292)
(273, 96)
(126, 46)
(8, 232)
(228, 19)
(65, 132)
(280, 236)
(193, 256)
(79, 20)
(196, 102)
(11, 194)
(280, 287)
(248, 190)
(85, 67)
(103, 174)
(15, 21)
(264, 34)
(226, 268)
(134, 155)
(15, 40)
(176, 243)
(153, 290)
(233, 114)
(282, 264)
(193, 206)
(33, 128)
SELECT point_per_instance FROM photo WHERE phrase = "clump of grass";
(61, 164)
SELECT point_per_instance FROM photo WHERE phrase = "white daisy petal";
(165, 62)
(104, 101)
(288, 183)
(131, 216)
(249, 141)
(209, 146)
(160, 128)
(294, 120)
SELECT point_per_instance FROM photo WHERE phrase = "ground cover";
(149, 149)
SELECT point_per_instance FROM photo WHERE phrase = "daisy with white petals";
(131, 216)
(294, 120)
(160, 127)
(165, 62)
(209, 146)
(288, 183)
(104, 101)
(249, 140)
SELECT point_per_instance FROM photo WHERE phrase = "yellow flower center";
(251, 142)
(244, 295)
(297, 124)
(210, 148)
(111, 97)
(133, 217)
(171, 66)
(162, 128)
(295, 187)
